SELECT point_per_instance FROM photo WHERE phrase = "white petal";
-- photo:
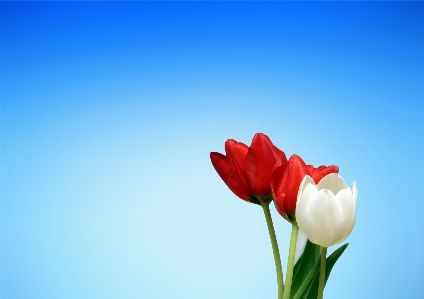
(310, 192)
(332, 182)
(330, 217)
(348, 229)
(345, 199)
(300, 245)
(306, 180)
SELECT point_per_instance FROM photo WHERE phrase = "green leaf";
(331, 260)
(312, 287)
(304, 266)
(309, 263)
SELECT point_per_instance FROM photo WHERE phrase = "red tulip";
(247, 170)
(285, 181)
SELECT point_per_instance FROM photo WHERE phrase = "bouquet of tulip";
(315, 201)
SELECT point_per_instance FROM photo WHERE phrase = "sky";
(109, 111)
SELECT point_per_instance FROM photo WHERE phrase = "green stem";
(274, 243)
(290, 263)
(322, 272)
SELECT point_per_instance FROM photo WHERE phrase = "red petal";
(260, 160)
(237, 189)
(311, 169)
(219, 162)
(236, 156)
(289, 182)
(322, 171)
(276, 174)
(279, 205)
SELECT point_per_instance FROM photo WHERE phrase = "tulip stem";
(274, 243)
(322, 272)
(290, 262)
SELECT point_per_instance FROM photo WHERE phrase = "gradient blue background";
(109, 112)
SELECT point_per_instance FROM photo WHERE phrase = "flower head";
(325, 211)
(285, 181)
(247, 170)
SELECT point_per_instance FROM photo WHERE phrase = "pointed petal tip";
(215, 155)
(260, 135)
(296, 157)
(230, 142)
(259, 138)
(305, 181)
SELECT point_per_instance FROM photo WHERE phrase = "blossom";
(247, 170)
(325, 211)
(285, 181)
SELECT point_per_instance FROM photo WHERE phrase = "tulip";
(285, 181)
(247, 170)
(325, 211)
(326, 214)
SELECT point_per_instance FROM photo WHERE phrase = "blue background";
(109, 112)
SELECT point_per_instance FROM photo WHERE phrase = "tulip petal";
(332, 182)
(236, 155)
(309, 194)
(305, 181)
(260, 160)
(219, 162)
(237, 189)
(276, 176)
(345, 199)
(311, 169)
(350, 219)
(277, 172)
(348, 229)
(279, 205)
(292, 175)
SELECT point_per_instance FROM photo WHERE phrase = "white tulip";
(325, 212)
